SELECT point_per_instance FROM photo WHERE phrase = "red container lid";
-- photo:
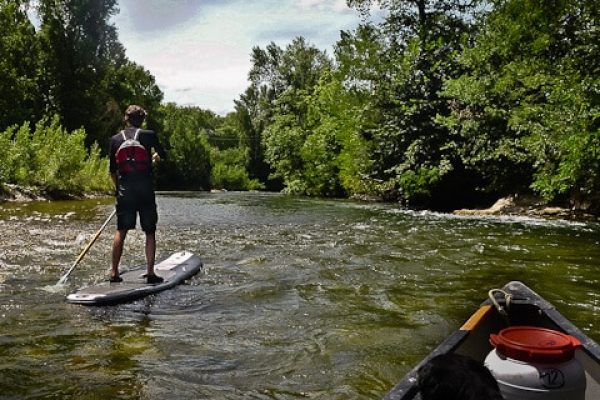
(533, 344)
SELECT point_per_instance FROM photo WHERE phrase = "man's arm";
(160, 153)
(112, 167)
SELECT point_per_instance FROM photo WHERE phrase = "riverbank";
(532, 206)
(522, 205)
(10, 192)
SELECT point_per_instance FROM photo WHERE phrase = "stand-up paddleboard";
(175, 269)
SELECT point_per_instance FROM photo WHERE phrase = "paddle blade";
(62, 280)
(56, 288)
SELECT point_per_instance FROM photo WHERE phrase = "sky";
(199, 50)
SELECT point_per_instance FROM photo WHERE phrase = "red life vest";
(131, 156)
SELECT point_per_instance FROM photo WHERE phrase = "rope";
(507, 299)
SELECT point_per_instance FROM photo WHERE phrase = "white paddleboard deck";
(175, 270)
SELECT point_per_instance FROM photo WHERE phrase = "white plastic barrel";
(532, 363)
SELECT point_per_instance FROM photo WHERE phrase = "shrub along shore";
(49, 161)
(440, 106)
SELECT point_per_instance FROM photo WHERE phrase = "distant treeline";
(442, 104)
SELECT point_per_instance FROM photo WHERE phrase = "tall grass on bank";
(52, 159)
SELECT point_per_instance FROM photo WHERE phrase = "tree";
(80, 48)
(279, 78)
(129, 83)
(19, 65)
(250, 125)
(335, 155)
(421, 18)
(413, 154)
(255, 108)
(290, 76)
(360, 61)
(526, 110)
(184, 135)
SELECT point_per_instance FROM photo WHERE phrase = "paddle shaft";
(63, 279)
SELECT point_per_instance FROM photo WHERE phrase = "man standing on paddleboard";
(131, 158)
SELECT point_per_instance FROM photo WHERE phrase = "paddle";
(63, 279)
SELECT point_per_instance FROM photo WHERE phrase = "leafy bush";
(229, 172)
(189, 159)
(52, 159)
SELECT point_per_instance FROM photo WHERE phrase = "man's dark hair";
(456, 377)
(135, 115)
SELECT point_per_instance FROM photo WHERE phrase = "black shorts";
(127, 216)
(132, 201)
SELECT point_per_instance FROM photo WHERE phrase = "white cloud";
(325, 5)
(201, 55)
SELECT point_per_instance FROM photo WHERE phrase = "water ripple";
(298, 297)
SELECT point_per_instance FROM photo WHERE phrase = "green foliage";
(19, 53)
(359, 61)
(440, 97)
(91, 175)
(291, 76)
(251, 121)
(527, 110)
(565, 142)
(189, 157)
(6, 162)
(280, 80)
(318, 150)
(52, 159)
(79, 51)
(226, 134)
(336, 155)
(283, 140)
(21, 156)
(408, 141)
(185, 138)
(229, 172)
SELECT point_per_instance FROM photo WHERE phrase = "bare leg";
(117, 251)
(150, 251)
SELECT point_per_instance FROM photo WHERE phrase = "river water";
(298, 298)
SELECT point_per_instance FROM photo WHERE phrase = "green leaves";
(440, 95)
(19, 64)
(52, 159)
(184, 136)
(205, 151)
(523, 105)
(72, 66)
(229, 172)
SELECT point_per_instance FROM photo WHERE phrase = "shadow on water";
(298, 298)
